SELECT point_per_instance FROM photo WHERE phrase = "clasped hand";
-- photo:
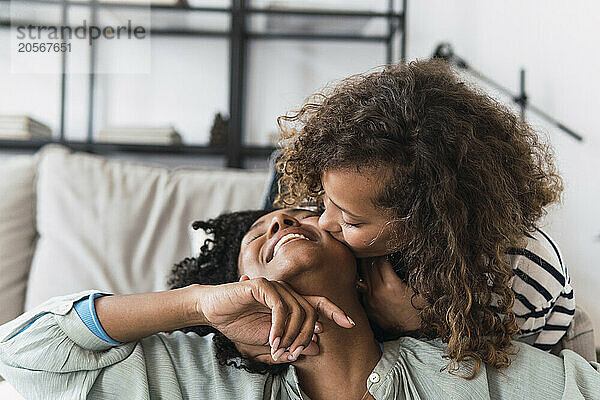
(267, 319)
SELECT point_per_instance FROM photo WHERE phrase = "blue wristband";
(87, 312)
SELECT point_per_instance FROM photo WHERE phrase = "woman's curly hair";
(463, 175)
(217, 263)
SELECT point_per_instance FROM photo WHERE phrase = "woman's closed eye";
(253, 238)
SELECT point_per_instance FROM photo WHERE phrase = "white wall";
(557, 43)
(283, 73)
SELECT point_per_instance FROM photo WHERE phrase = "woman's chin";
(290, 263)
(312, 272)
(297, 275)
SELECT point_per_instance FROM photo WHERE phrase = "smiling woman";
(281, 230)
(86, 347)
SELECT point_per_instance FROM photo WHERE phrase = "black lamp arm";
(446, 52)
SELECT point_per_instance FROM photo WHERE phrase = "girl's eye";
(349, 225)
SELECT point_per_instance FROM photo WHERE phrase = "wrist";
(193, 313)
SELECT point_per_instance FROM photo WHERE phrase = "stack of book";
(22, 127)
(140, 134)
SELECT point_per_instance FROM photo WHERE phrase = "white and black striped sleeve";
(544, 299)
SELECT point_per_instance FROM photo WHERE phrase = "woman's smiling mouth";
(285, 236)
(286, 239)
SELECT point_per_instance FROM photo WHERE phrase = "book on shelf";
(23, 127)
(138, 134)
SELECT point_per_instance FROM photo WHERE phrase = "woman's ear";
(361, 285)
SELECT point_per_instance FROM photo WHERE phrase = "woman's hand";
(386, 298)
(259, 312)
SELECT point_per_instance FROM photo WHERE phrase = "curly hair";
(217, 263)
(464, 177)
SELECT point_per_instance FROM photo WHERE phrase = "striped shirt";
(544, 300)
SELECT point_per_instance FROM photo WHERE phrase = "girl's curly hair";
(217, 263)
(463, 175)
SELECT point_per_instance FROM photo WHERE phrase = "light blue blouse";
(58, 357)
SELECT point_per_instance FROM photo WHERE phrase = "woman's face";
(289, 245)
(350, 214)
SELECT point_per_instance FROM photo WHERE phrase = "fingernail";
(278, 354)
(318, 328)
(297, 352)
(314, 338)
(275, 344)
(350, 320)
(291, 357)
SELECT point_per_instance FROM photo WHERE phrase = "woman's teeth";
(287, 238)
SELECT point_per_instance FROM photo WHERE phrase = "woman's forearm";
(127, 318)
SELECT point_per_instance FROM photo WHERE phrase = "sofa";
(75, 221)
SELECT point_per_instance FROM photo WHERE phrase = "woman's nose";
(281, 221)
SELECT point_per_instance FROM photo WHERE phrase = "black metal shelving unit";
(239, 36)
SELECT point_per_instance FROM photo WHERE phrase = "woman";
(438, 188)
(263, 277)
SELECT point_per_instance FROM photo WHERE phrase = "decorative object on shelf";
(23, 127)
(218, 131)
(324, 24)
(140, 134)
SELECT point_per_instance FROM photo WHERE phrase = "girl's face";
(350, 213)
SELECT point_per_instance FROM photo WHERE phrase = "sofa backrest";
(115, 225)
(17, 231)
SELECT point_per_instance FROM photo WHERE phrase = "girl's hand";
(386, 298)
(259, 312)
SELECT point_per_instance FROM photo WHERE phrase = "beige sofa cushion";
(17, 231)
(119, 226)
(579, 337)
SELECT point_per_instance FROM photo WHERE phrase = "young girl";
(412, 164)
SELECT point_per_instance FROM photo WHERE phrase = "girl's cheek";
(353, 241)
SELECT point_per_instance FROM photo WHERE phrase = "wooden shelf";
(239, 32)
(102, 147)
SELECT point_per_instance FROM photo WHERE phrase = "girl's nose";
(328, 223)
